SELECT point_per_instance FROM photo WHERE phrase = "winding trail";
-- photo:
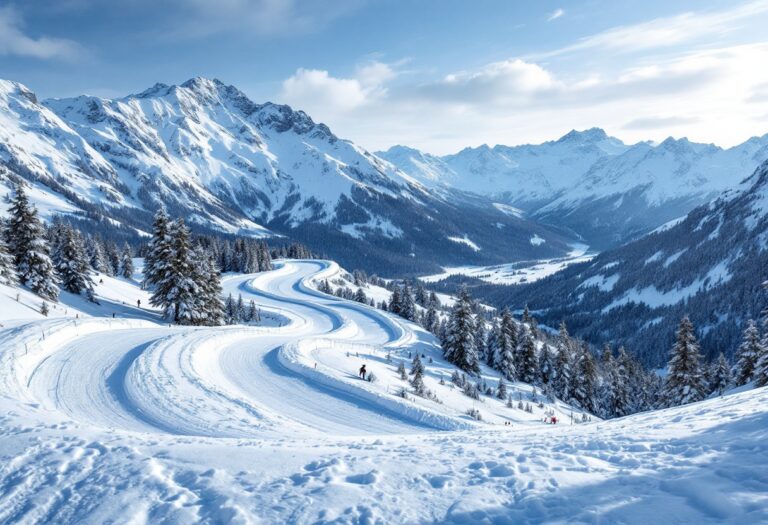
(228, 381)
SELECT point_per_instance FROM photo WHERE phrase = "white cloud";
(496, 83)
(557, 13)
(667, 31)
(317, 91)
(13, 41)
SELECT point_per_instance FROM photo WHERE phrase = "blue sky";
(439, 75)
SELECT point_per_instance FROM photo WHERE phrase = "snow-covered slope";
(208, 153)
(597, 186)
(125, 419)
(710, 265)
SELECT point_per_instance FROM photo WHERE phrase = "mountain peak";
(11, 87)
(588, 135)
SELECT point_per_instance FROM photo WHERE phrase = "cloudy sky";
(438, 75)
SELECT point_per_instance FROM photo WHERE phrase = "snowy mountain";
(595, 185)
(207, 152)
(709, 265)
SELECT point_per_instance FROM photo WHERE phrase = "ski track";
(131, 422)
(225, 382)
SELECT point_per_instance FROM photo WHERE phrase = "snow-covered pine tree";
(395, 304)
(685, 380)
(407, 306)
(459, 347)
(72, 264)
(529, 371)
(360, 296)
(721, 375)
(113, 256)
(401, 371)
(526, 315)
(747, 354)
(430, 319)
(240, 306)
(481, 337)
(416, 365)
(7, 266)
(253, 312)
(158, 256)
(126, 262)
(621, 383)
(96, 255)
(230, 311)
(207, 277)
(585, 381)
(504, 359)
(177, 293)
(501, 389)
(546, 365)
(27, 244)
(417, 382)
(563, 369)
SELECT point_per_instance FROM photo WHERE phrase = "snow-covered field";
(517, 272)
(128, 420)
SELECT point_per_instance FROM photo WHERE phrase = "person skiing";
(138, 303)
(554, 420)
(362, 372)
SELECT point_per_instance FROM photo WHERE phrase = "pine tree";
(158, 257)
(480, 338)
(430, 319)
(546, 365)
(501, 390)
(96, 255)
(747, 354)
(360, 296)
(417, 382)
(208, 280)
(563, 378)
(459, 346)
(401, 371)
(113, 256)
(72, 264)
(177, 292)
(27, 245)
(7, 266)
(126, 263)
(721, 377)
(230, 311)
(416, 365)
(504, 353)
(407, 306)
(253, 313)
(241, 313)
(529, 370)
(586, 380)
(685, 381)
(395, 305)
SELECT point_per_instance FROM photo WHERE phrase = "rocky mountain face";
(206, 152)
(598, 187)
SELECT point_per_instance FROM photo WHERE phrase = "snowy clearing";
(517, 272)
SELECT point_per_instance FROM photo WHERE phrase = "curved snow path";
(228, 381)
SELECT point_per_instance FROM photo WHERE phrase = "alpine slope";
(124, 419)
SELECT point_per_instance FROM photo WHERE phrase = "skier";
(554, 420)
(138, 303)
(362, 372)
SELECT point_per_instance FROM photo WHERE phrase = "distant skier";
(138, 303)
(554, 420)
(362, 372)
